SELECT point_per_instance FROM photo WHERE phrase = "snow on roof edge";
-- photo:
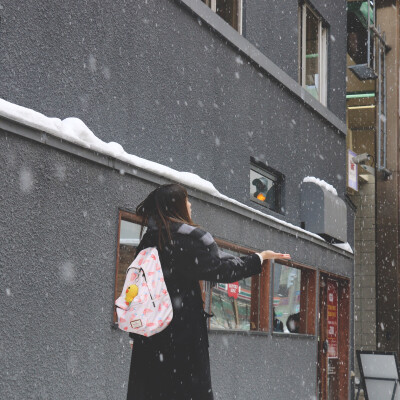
(74, 130)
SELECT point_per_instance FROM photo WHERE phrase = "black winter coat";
(174, 364)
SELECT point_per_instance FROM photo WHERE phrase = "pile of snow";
(344, 246)
(75, 131)
(321, 183)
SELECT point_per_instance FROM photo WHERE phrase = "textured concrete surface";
(365, 270)
(259, 367)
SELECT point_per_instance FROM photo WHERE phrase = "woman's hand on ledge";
(271, 255)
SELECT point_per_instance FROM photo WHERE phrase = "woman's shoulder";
(194, 233)
(149, 239)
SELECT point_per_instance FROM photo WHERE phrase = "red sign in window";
(332, 336)
(233, 290)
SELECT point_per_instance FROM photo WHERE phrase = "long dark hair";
(164, 205)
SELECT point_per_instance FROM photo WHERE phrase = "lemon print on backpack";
(131, 293)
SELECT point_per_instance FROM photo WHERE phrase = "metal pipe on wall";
(369, 37)
(379, 139)
(384, 105)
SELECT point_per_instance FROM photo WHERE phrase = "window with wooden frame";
(240, 305)
(313, 53)
(294, 297)
(128, 240)
(229, 10)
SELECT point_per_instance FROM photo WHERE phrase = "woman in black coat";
(174, 364)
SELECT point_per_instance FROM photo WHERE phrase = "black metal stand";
(362, 384)
(379, 379)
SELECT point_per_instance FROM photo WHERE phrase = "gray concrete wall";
(277, 368)
(148, 75)
(365, 269)
(59, 216)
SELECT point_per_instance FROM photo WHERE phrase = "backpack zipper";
(144, 275)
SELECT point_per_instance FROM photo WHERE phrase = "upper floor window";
(313, 65)
(228, 10)
(266, 186)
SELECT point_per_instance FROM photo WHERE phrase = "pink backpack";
(144, 306)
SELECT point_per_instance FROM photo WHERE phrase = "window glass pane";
(286, 304)
(229, 11)
(130, 234)
(129, 239)
(312, 54)
(263, 190)
(231, 304)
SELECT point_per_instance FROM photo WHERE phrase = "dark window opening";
(229, 10)
(266, 186)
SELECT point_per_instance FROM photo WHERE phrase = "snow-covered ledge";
(78, 139)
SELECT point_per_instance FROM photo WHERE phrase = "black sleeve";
(203, 260)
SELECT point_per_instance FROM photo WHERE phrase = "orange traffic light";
(261, 197)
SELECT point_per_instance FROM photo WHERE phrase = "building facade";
(248, 95)
(373, 122)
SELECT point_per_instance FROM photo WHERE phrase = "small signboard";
(332, 335)
(352, 171)
(233, 290)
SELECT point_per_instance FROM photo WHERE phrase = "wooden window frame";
(259, 308)
(130, 217)
(308, 296)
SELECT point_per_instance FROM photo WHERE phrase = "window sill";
(262, 204)
(300, 336)
(237, 332)
(294, 335)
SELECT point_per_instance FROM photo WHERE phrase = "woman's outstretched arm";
(203, 259)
